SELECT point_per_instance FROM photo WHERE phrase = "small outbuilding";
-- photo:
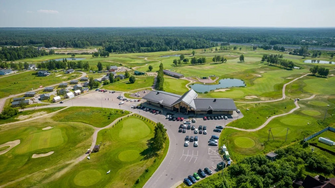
(30, 94)
(84, 90)
(17, 103)
(139, 73)
(19, 99)
(326, 141)
(121, 76)
(272, 156)
(56, 99)
(83, 79)
(77, 86)
(44, 97)
(85, 84)
(43, 73)
(74, 82)
(112, 68)
(49, 89)
(69, 71)
(69, 95)
(5, 71)
(77, 92)
(173, 74)
(63, 84)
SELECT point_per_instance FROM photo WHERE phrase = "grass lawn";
(124, 151)
(320, 85)
(98, 117)
(29, 114)
(174, 85)
(329, 135)
(124, 85)
(24, 82)
(67, 140)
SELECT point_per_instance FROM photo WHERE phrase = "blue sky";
(155, 13)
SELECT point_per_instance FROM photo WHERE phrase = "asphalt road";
(180, 161)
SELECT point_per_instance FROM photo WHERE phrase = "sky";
(167, 13)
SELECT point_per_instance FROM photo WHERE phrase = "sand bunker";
(42, 155)
(11, 144)
(258, 75)
(46, 128)
(261, 72)
(217, 90)
(58, 75)
(251, 97)
(23, 117)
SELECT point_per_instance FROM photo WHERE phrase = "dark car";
(193, 127)
(180, 130)
(201, 173)
(212, 144)
(191, 139)
(187, 138)
(219, 127)
(196, 138)
(208, 171)
(204, 128)
(184, 130)
(215, 137)
(193, 180)
(200, 131)
(61, 102)
(200, 127)
(217, 130)
(188, 127)
(205, 118)
(215, 118)
(211, 117)
(187, 182)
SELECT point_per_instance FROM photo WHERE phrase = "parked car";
(192, 179)
(217, 130)
(225, 117)
(196, 176)
(182, 126)
(121, 103)
(215, 137)
(212, 144)
(205, 132)
(180, 130)
(212, 140)
(204, 128)
(196, 138)
(211, 117)
(220, 165)
(181, 119)
(200, 127)
(187, 182)
(205, 118)
(193, 120)
(188, 126)
(238, 111)
(195, 144)
(215, 118)
(187, 138)
(191, 139)
(200, 131)
(61, 102)
(201, 173)
(208, 171)
(184, 130)
(219, 127)
(195, 131)
(193, 127)
(186, 143)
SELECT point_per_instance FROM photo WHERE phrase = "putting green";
(129, 155)
(244, 142)
(133, 129)
(295, 120)
(311, 112)
(87, 178)
(318, 103)
(280, 131)
(41, 140)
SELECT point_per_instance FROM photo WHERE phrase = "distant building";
(69, 95)
(83, 79)
(69, 71)
(121, 76)
(62, 91)
(56, 99)
(139, 73)
(30, 94)
(97, 80)
(173, 74)
(49, 89)
(84, 90)
(74, 82)
(43, 73)
(78, 86)
(112, 68)
(19, 99)
(17, 103)
(5, 71)
(77, 92)
(105, 78)
(63, 84)
(44, 96)
(272, 156)
(318, 182)
(32, 67)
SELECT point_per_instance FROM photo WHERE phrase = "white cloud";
(48, 11)
(28, 11)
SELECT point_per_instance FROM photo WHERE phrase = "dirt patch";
(217, 90)
(289, 78)
(331, 75)
(11, 144)
(207, 81)
(23, 117)
(258, 75)
(140, 94)
(251, 97)
(152, 73)
(261, 72)
(42, 155)
(69, 51)
(122, 69)
(58, 75)
(46, 128)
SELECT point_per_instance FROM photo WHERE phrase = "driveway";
(180, 161)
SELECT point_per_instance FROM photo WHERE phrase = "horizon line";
(333, 27)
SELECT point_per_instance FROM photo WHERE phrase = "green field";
(124, 85)
(26, 81)
(98, 117)
(329, 135)
(123, 150)
(174, 85)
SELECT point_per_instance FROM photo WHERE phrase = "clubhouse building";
(189, 103)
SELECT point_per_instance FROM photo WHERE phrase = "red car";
(178, 118)
(181, 119)
(205, 118)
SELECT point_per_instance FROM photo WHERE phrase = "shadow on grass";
(150, 152)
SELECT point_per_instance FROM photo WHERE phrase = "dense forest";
(161, 39)
(13, 53)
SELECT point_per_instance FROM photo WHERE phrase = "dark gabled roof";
(49, 88)
(74, 81)
(63, 84)
(172, 73)
(69, 70)
(30, 93)
(215, 104)
(161, 97)
(311, 182)
(19, 99)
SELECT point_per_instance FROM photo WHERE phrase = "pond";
(69, 59)
(319, 61)
(171, 55)
(223, 83)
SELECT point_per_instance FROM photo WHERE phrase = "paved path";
(3, 100)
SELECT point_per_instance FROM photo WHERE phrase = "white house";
(69, 95)
(56, 99)
(77, 92)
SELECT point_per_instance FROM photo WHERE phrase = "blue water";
(223, 83)
(69, 59)
(318, 61)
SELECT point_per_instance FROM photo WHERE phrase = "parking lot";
(180, 161)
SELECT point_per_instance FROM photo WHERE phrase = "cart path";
(3, 100)
(272, 117)
(283, 92)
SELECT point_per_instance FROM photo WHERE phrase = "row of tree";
(292, 163)
(9, 112)
(321, 71)
(160, 78)
(14, 66)
(101, 53)
(219, 58)
(52, 65)
(277, 59)
(16, 53)
(200, 60)
(269, 47)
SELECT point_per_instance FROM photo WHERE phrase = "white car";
(121, 103)
(186, 143)
(195, 144)
(195, 131)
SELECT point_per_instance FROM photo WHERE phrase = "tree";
(91, 83)
(132, 79)
(185, 60)
(235, 47)
(111, 78)
(314, 69)
(126, 74)
(175, 62)
(95, 54)
(99, 66)
(8, 112)
(106, 82)
(73, 55)
(242, 58)
(107, 67)
(193, 52)
(51, 52)
(26, 65)
(80, 65)
(86, 66)
(182, 57)
(159, 137)
(20, 66)
(150, 68)
(332, 55)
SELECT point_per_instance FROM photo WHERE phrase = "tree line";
(292, 163)
(53, 64)
(278, 60)
(321, 71)
(16, 53)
